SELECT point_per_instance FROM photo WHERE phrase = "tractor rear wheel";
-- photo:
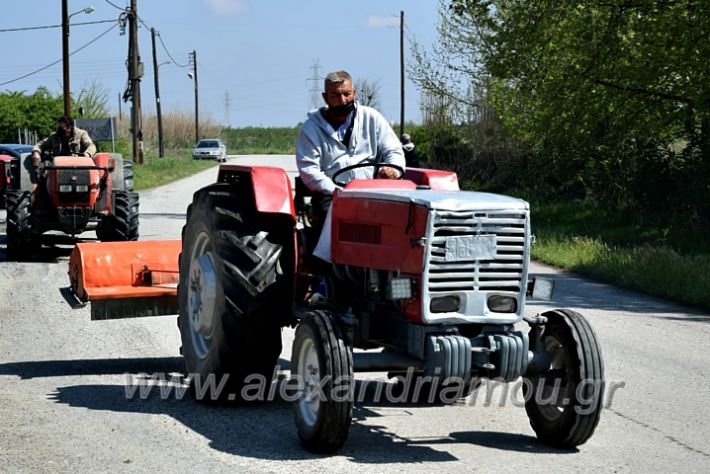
(564, 401)
(122, 175)
(322, 363)
(21, 242)
(122, 225)
(25, 173)
(231, 284)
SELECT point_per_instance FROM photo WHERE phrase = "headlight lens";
(445, 304)
(65, 188)
(82, 188)
(502, 304)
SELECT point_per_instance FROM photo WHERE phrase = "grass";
(627, 250)
(267, 141)
(176, 164)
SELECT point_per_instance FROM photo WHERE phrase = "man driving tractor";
(67, 140)
(340, 135)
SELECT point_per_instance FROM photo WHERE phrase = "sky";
(254, 57)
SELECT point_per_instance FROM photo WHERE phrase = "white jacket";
(319, 152)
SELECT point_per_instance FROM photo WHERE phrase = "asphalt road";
(65, 381)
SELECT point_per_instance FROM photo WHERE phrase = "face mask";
(342, 110)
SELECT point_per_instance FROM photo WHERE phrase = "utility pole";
(135, 71)
(193, 57)
(161, 150)
(65, 57)
(65, 52)
(401, 72)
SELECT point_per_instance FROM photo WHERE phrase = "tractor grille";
(501, 269)
(73, 178)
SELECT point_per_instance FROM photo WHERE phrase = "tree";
(601, 91)
(93, 100)
(368, 92)
(36, 112)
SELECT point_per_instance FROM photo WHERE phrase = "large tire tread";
(122, 225)
(335, 417)
(246, 337)
(21, 242)
(580, 418)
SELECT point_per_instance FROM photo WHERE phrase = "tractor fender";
(271, 187)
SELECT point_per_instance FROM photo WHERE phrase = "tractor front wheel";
(21, 242)
(322, 363)
(122, 225)
(564, 399)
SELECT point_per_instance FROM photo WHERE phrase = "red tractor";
(433, 277)
(71, 194)
(5, 177)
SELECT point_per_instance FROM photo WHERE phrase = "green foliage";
(623, 248)
(175, 165)
(121, 145)
(274, 140)
(93, 100)
(659, 271)
(603, 100)
(36, 112)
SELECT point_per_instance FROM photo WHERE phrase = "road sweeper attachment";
(126, 279)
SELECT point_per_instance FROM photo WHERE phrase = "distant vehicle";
(10, 158)
(212, 148)
(14, 149)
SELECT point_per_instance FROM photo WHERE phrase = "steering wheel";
(366, 164)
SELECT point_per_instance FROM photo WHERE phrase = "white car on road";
(210, 149)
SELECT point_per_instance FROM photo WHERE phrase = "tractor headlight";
(502, 304)
(399, 289)
(444, 304)
(65, 188)
(82, 188)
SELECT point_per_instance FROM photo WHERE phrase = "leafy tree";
(93, 100)
(36, 112)
(611, 96)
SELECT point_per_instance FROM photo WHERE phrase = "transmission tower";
(227, 106)
(315, 86)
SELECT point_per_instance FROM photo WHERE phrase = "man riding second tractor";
(67, 140)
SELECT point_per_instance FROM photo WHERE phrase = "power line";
(165, 48)
(28, 28)
(115, 6)
(59, 60)
(170, 55)
(143, 23)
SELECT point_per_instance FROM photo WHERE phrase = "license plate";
(470, 247)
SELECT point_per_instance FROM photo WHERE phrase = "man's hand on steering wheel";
(387, 172)
(382, 170)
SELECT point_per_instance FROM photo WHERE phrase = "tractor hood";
(444, 200)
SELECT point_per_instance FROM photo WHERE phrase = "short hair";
(66, 120)
(336, 77)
